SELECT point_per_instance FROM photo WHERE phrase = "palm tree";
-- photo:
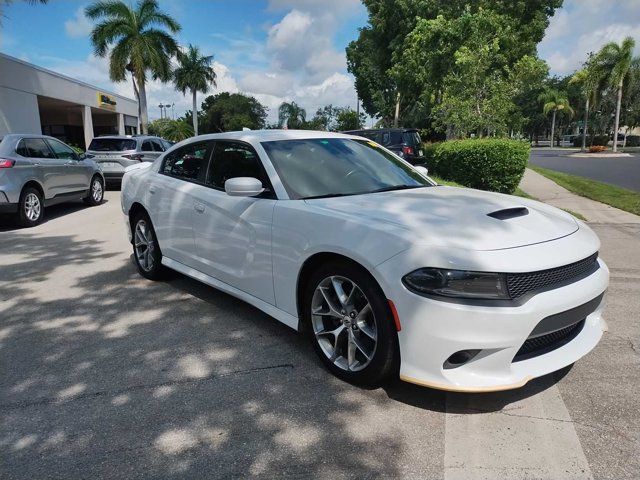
(555, 101)
(194, 73)
(590, 80)
(135, 41)
(616, 61)
(291, 115)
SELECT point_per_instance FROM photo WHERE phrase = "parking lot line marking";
(525, 433)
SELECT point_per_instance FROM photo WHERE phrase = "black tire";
(385, 359)
(154, 270)
(94, 197)
(26, 215)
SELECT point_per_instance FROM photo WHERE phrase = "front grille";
(535, 346)
(519, 284)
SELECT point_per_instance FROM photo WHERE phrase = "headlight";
(457, 283)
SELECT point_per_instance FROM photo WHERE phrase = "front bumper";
(433, 330)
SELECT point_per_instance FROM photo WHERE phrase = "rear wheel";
(96, 192)
(349, 323)
(146, 251)
(31, 207)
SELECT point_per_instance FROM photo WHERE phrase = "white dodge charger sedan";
(385, 271)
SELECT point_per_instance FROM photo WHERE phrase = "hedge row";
(600, 140)
(490, 164)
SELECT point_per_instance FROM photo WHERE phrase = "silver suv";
(37, 171)
(114, 153)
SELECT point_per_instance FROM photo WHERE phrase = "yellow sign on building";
(106, 101)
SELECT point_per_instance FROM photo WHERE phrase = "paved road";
(620, 171)
(106, 375)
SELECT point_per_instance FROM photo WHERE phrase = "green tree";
(401, 58)
(616, 59)
(292, 115)
(348, 119)
(194, 73)
(589, 79)
(555, 101)
(174, 130)
(226, 112)
(136, 42)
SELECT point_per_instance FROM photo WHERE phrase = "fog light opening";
(459, 358)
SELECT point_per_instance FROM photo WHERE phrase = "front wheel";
(96, 192)
(146, 251)
(350, 325)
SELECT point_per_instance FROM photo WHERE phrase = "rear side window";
(35, 148)
(187, 163)
(147, 146)
(395, 138)
(112, 144)
(157, 146)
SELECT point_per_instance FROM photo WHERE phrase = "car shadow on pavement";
(8, 223)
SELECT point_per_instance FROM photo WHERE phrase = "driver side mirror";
(422, 170)
(243, 187)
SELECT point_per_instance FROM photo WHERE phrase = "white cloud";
(79, 25)
(583, 26)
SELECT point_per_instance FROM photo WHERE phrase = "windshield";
(411, 138)
(112, 144)
(328, 167)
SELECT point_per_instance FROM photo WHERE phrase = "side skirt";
(284, 317)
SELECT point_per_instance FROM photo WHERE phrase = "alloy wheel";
(343, 323)
(144, 245)
(32, 207)
(96, 190)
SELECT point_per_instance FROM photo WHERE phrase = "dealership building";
(36, 100)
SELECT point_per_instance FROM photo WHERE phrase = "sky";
(275, 50)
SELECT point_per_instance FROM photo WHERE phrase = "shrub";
(633, 141)
(591, 140)
(487, 164)
(597, 148)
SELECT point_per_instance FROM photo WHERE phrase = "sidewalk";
(547, 191)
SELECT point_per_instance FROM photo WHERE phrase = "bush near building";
(490, 164)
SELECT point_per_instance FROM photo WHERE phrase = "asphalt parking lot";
(104, 374)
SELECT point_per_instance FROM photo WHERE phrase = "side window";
(234, 159)
(188, 162)
(157, 146)
(385, 139)
(146, 146)
(21, 149)
(61, 150)
(38, 148)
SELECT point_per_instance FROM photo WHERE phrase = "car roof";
(124, 137)
(257, 136)
(17, 136)
(376, 130)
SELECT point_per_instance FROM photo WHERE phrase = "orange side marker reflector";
(394, 312)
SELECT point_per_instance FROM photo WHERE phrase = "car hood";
(456, 217)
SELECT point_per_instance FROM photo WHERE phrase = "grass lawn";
(621, 198)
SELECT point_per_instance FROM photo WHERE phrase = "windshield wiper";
(328, 195)
(396, 187)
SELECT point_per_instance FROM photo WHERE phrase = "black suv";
(404, 142)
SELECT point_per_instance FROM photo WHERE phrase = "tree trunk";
(195, 114)
(144, 116)
(584, 127)
(553, 128)
(617, 124)
(397, 114)
(137, 94)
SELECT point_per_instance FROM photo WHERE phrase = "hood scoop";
(507, 213)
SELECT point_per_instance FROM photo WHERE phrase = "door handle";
(152, 190)
(199, 207)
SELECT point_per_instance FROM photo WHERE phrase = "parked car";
(404, 142)
(382, 269)
(37, 171)
(115, 152)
